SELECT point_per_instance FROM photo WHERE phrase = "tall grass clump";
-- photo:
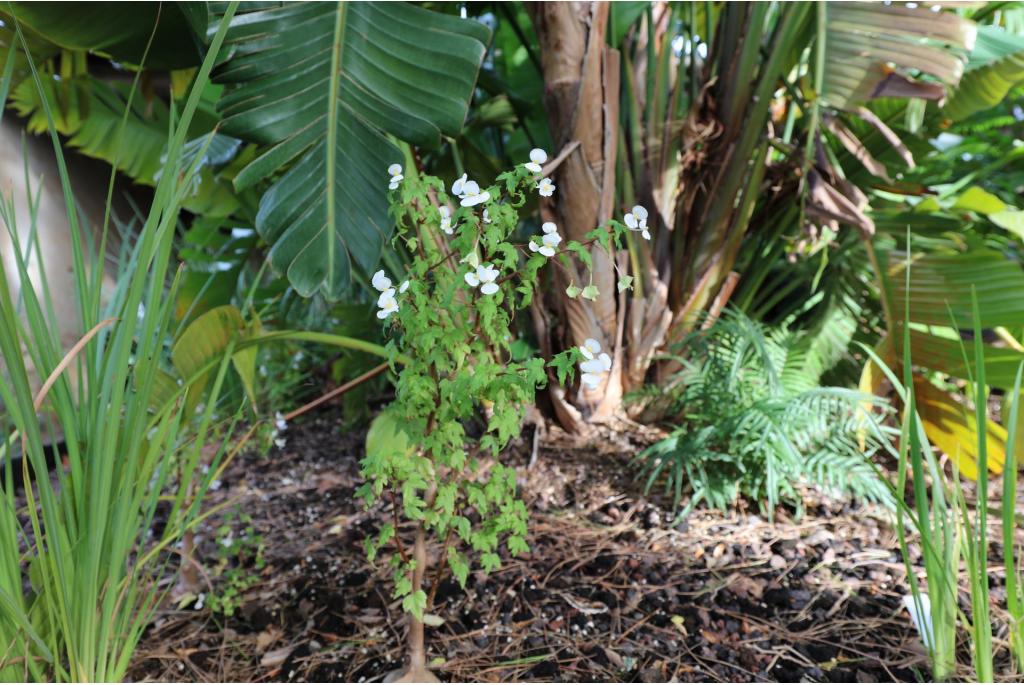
(956, 550)
(79, 554)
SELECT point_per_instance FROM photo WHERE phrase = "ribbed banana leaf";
(946, 354)
(120, 30)
(304, 74)
(89, 112)
(863, 38)
(941, 284)
(996, 65)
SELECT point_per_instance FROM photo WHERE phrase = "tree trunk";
(581, 78)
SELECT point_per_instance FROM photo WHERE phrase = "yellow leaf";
(951, 427)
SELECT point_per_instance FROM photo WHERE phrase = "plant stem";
(417, 651)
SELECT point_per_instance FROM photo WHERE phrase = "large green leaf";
(121, 30)
(90, 112)
(321, 84)
(941, 286)
(863, 39)
(996, 65)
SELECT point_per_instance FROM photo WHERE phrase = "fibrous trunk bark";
(581, 81)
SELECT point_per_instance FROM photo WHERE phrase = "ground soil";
(613, 589)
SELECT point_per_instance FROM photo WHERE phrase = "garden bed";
(610, 591)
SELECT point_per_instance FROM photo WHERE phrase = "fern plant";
(753, 422)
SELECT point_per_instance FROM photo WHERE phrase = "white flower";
(280, 422)
(590, 348)
(457, 187)
(405, 286)
(471, 194)
(396, 175)
(486, 217)
(280, 442)
(546, 188)
(637, 221)
(595, 367)
(446, 219)
(598, 365)
(549, 241)
(387, 303)
(485, 277)
(537, 157)
(380, 281)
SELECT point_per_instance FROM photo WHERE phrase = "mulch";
(613, 589)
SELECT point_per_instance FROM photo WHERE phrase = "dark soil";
(611, 590)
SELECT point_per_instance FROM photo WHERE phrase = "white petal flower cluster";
(596, 364)
(484, 277)
(545, 187)
(548, 242)
(469, 192)
(395, 170)
(387, 303)
(446, 220)
(637, 221)
(537, 158)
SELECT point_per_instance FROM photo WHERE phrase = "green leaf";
(386, 440)
(941, 284)
(490, 562)
(976, 199)
(623, 15)
(996, 65)
(121, 31)
(1010, 219)
(204, 340)
(415, 603)
(590, 292)
(573, 290)
(400, 70)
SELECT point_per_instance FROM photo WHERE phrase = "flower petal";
(640, 213)
(457, 187)
(380, 281)
(549, 227)
(472, 279)
(538, 156)
(533, 247)
(590, 381)
(489, 288)
(547, 251)
(535, 168)
(395, 169)
(405, 286)
(630, 221)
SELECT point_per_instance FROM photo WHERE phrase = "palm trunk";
(581, 78)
